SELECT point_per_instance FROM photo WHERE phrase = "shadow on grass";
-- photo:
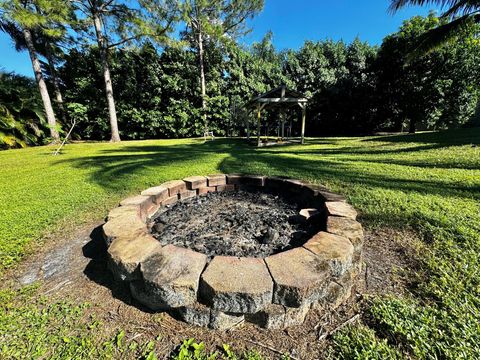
(112, 168)
(443, 138)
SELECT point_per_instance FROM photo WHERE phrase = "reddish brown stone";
(340, 208)
(300, 277)
(225, 188)
(159, 193)
(175, 186)
(195, 182)
(234, 179)
(245, 180)
(236, 285)
(275, 183)
(145, 202)
(322, 193)
(171, 200)
(206, 190)
(216, 180)
(187, 194)
(295, 185)
(336, 250)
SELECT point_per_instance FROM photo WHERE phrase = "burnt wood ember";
(243, 224)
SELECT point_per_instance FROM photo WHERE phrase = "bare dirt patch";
(75, 269)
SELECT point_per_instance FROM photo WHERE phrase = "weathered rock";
(322, 193)
(170, 200)
(326, 195)
(336, 250)
(187, 194)
(340, 208)
(272, 317)
(175, 186)
(276, 184)
(224, 321)
(348, 228)
(296, 316)
(126, 225)
(216, 180)
(126, 253)
(236, 285)
(170, 278)
(295, 185)
(196, 314)
(221, 188)
(245, 180)
(206, 190)
(158, 193)
(128, 211)
(146, 203)
(338, 291)
(300, 277)
(195, 182)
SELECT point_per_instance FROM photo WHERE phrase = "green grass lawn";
(427, 182)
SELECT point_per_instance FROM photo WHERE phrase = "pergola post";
(303, 124)
(280, 99)
(259, 116)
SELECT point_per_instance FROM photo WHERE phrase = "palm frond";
(396, 5)
(464, 7)
(435, 38)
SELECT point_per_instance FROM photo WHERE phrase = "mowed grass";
(427, 182)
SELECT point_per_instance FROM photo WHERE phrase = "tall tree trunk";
(108, 81)
(56, 83)
(42, 86)
(411, 127)
(202, 77)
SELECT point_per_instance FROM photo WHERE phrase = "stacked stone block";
(275, 292)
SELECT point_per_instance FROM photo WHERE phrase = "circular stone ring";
(274, 292)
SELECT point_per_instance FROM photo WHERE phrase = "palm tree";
(45, 46)
(459, 14)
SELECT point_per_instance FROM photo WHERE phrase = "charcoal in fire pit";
(230, 223)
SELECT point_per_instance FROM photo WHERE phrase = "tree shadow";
(456, 137)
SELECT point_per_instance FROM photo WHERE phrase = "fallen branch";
(270, 348)
(342, 325)
(65, 139)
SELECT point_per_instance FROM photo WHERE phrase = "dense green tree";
(215, 21)
(432, 90)
(41, 17)
(116, 24)
(22, 120)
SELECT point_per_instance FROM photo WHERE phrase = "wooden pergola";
(279, 98)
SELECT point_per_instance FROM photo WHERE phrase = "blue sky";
(292, 22)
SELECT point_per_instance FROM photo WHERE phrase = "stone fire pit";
(219, 250)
